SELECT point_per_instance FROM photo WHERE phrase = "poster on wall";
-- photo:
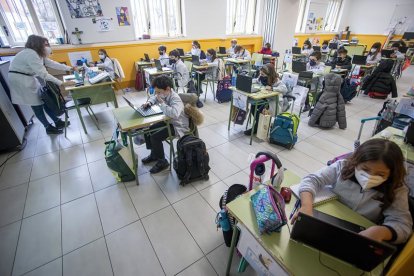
(122, 15)
(310, 23)
(319, 24)
(104, 24)
(84, 8)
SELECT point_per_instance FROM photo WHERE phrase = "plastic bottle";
(233, 78)
(151, 91)
(224, 220)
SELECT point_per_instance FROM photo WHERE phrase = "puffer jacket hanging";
(330, 107)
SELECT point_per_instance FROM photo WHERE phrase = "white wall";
(287, 14)
(205, 19)
(90, 33)
(372, 16)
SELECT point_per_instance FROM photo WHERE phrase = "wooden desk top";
(155, 72)
(129, 119)
(238, 61)
(297, 258)
(262, 94)
(222, 55)
(86, 84)
(203, 66)
(144, 63)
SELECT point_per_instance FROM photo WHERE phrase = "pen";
(297, 205)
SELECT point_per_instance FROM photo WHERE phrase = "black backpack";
(52, 98)
(191, 162)
(348, 90)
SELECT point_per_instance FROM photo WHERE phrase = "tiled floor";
(62, 212)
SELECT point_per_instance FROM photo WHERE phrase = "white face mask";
(373, 50)
(48, 51)
(305, 46)
(368, 181)
(102, 57)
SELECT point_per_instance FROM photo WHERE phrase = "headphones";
(260, 168)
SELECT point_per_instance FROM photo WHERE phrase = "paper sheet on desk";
(406, 107)
(240, 100)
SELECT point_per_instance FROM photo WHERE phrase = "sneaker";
(148, 159)
(160, 166)
(61, 124)
(53, 130)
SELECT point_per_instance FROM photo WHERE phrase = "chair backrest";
(327, 69)
(118, 69)
(257, 59)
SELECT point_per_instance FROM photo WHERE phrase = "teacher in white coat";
(27, 67)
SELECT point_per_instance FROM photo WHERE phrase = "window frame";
(37, 28)
(333, 13)
(147, 30)
(232, 13)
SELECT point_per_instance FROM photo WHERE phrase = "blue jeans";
(40, 114)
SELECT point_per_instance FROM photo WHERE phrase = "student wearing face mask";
(173, 107)
(182, 76)
(266, 50)
(105, 63)
(233, 44)
(270, 80)
(28, 74)
(317, 67)
(307, 49)
(342, 61)
(164, 58)
(374, 55)
(336, 40)
(397, 54)
(196, 50)
(325, 48)
(370, 182)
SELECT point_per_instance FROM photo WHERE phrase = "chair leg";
(66, 123)
(95, 120)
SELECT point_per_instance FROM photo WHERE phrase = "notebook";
(321, 197)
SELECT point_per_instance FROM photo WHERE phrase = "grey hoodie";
(397, 216)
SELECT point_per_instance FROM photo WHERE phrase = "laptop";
(244, 83)
(296, 50)
(386, 53)
(305, 75)
(195, 60)
(147, 59)
(298, 66)
(333, 46)
(317, 48)
(359, 60)
(403, 50)
(181, 52)
(158, 65)
(222, 50)
(340, 239)
(153, 110)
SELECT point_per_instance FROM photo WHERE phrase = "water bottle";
(151, 91)
(233, 79)
(224, 220)
(77, 77)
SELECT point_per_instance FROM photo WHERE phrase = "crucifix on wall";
(78, 33)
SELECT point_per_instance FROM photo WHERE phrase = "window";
(318, 16)
(21, 18)
(158, 18)
(242, 16)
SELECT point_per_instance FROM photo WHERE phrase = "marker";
(297, 206)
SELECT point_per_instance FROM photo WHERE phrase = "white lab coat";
(108, 66)
(25, 89)
(183, 76)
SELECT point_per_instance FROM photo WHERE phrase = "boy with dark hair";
(182, 76)
(164, 58)
(317, 67)
(172, 106)
(342, 61)
(397, 54)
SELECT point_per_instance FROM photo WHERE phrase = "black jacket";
(344, 63)
(381, 80)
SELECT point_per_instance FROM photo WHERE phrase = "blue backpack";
(284, 130)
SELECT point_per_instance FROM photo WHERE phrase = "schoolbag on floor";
(191, 162)
(284, 130)
(348, 90)
(52, 98)
(224, 93)
(224, 220)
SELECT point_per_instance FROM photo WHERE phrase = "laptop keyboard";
(146, 112)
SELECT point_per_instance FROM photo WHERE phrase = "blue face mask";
(324, 47)
(208, 58)
(312, 62)
(263, 80)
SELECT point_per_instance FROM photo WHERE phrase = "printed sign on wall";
(122, 15)
(84, 8)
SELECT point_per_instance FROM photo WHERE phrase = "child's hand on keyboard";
(146, 105)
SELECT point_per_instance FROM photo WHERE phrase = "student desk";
(141, 65)
(289, 257)
(187, 57)
(133, 124)
(101, 92)
(198, 69)
(222, 55)
(237, 62)
(255, 99)
(398, 138)
(152, 72)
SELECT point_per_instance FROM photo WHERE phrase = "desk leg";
(231, 109)
(277, 105)
(80, 117)
(171, 144)
(254, 122)
(115, 100)
(198, 85)
(232, 246)
(134, 158)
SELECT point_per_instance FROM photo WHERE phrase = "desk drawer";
(257, 257)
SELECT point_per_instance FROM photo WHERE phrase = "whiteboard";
(403, 13)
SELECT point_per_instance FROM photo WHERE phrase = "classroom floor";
(62, 212)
